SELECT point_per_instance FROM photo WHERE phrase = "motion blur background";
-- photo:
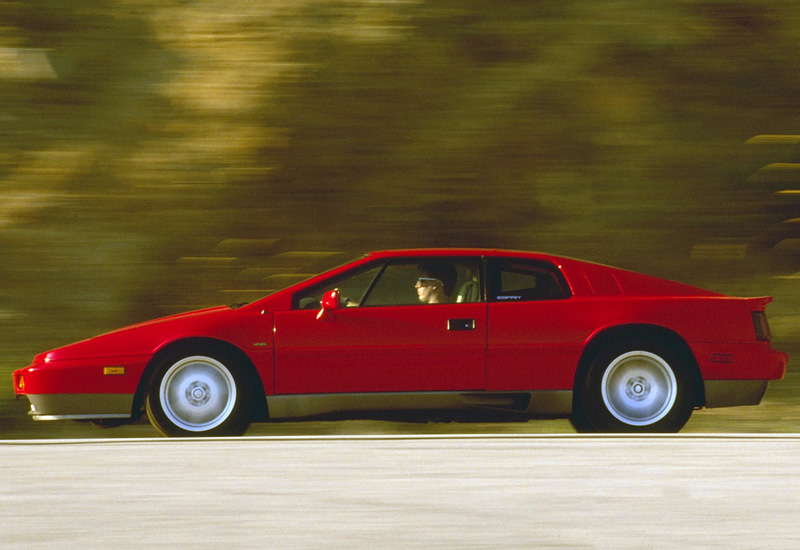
(160, 156)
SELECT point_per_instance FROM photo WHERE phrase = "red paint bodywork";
(515, 346)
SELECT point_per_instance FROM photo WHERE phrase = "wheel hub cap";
(198, 393)
(639, 388)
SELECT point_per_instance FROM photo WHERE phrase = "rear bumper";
(80, 406)
(738, 374)
(748, 361)
(734, 393)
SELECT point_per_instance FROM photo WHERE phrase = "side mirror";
(330, 300)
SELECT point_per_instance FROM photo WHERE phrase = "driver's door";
(388, 342)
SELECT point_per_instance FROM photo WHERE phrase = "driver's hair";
(444, 271)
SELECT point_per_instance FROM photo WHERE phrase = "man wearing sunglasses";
(436, 283)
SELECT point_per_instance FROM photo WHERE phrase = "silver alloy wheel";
(197, 393)
(639, 388)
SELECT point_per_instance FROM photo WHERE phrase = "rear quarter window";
(526, 281)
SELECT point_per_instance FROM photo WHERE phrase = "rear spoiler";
(760, 303)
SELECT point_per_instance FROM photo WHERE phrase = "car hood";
(141, 338)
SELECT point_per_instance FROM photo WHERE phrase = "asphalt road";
(556, 491)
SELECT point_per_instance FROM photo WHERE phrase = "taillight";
(761, 326)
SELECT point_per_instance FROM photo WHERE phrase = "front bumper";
(101, 375)
(80, 406)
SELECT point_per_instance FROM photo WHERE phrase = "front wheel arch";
(259, 402)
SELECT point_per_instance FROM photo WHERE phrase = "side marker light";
(113, 371)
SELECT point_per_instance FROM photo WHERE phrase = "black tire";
(637, 386)
(199, 392)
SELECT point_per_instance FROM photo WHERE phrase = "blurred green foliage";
(157, 156)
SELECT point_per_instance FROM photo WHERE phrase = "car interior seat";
(469, 292)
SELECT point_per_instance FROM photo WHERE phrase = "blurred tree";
(173, 129)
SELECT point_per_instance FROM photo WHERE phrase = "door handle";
(461, 324)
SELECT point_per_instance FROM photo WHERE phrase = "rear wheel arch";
(638, 333)
(192, 345)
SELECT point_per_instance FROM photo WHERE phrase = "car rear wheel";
(198, 394)
(638, 387)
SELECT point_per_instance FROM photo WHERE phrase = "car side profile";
(422, 331)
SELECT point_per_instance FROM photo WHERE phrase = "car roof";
(417, 252)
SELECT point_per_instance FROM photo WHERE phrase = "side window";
(427, 281)
(523, 281)
(352, 286)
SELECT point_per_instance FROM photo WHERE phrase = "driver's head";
(436, 282)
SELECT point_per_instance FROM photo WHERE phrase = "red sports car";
(424, 331)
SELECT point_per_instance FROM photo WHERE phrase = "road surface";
(509, 492)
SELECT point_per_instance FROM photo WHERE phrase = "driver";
(436, 282)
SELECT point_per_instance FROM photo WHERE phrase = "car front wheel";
(200, 394)
(641, 387)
